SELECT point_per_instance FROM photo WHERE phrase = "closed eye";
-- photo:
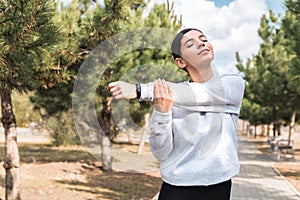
(203, 38)
(190, 44)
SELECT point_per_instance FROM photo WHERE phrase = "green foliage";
(162, 15)
(54, 100)
(62, 129)
(272, 90)
(290, 26)
(84, 25)
(27, 36)
(255, 113)
(24, 110)
(145, 65)
(30, 42)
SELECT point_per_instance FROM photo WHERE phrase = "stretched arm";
(226, 91)
(161, 137)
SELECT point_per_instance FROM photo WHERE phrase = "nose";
(200, 43)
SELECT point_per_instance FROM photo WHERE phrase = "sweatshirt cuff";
(161, 117)
(147, 92)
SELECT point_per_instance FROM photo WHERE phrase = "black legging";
(219, 191)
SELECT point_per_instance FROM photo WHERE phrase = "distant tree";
(85, 25)
(24, 109)
(54, 100)
(290, 26)
(269, 81)
(251, 111)
(27, 35)
(146, 65)
(126, 17)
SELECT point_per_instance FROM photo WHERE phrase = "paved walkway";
(257, 179)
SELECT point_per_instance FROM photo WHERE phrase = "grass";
(45, 153)
(73, 173)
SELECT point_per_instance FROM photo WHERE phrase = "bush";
(62, 129)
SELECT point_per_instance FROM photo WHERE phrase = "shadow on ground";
(89, 178)
(44, 153)
(116, 185)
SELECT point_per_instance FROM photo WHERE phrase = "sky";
(230, 25)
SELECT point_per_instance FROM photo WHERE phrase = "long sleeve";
(161, 137)
(221, 94)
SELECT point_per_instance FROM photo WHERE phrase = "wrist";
(138, 90)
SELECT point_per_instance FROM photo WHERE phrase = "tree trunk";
(106, 153)
(274, 121)
(12, 158)
(279, 130)
(292, 126)
(106, 145)
(262, 133)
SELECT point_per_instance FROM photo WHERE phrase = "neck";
(201, 74)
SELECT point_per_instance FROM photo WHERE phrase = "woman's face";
(195, 49)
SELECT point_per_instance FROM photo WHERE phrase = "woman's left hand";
(163, 97)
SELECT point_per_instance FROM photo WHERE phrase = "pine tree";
(54, 100)
(27, 33)
(290, 26)
(273, 87)
(120, 16)
(85, 25)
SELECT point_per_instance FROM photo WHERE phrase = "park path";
(257, 179)
(27, 135)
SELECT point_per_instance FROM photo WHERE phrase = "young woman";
(193, 126)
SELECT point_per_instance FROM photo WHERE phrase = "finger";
(117, 93)
(170, 92)
(113, 84)
(114, 89)
(156, 90)
(165, 88)
(161, 87)
(120, 96)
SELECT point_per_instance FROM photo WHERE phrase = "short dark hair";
(176, 44)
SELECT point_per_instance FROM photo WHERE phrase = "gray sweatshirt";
(196, 142)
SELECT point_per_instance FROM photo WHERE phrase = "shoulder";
(229, 74)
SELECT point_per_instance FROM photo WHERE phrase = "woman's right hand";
(122, 90)
(163, 97)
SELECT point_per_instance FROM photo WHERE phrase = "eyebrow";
(191, 39)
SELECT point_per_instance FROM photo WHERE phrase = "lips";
(203, 50)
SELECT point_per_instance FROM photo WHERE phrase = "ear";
(180, 63)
